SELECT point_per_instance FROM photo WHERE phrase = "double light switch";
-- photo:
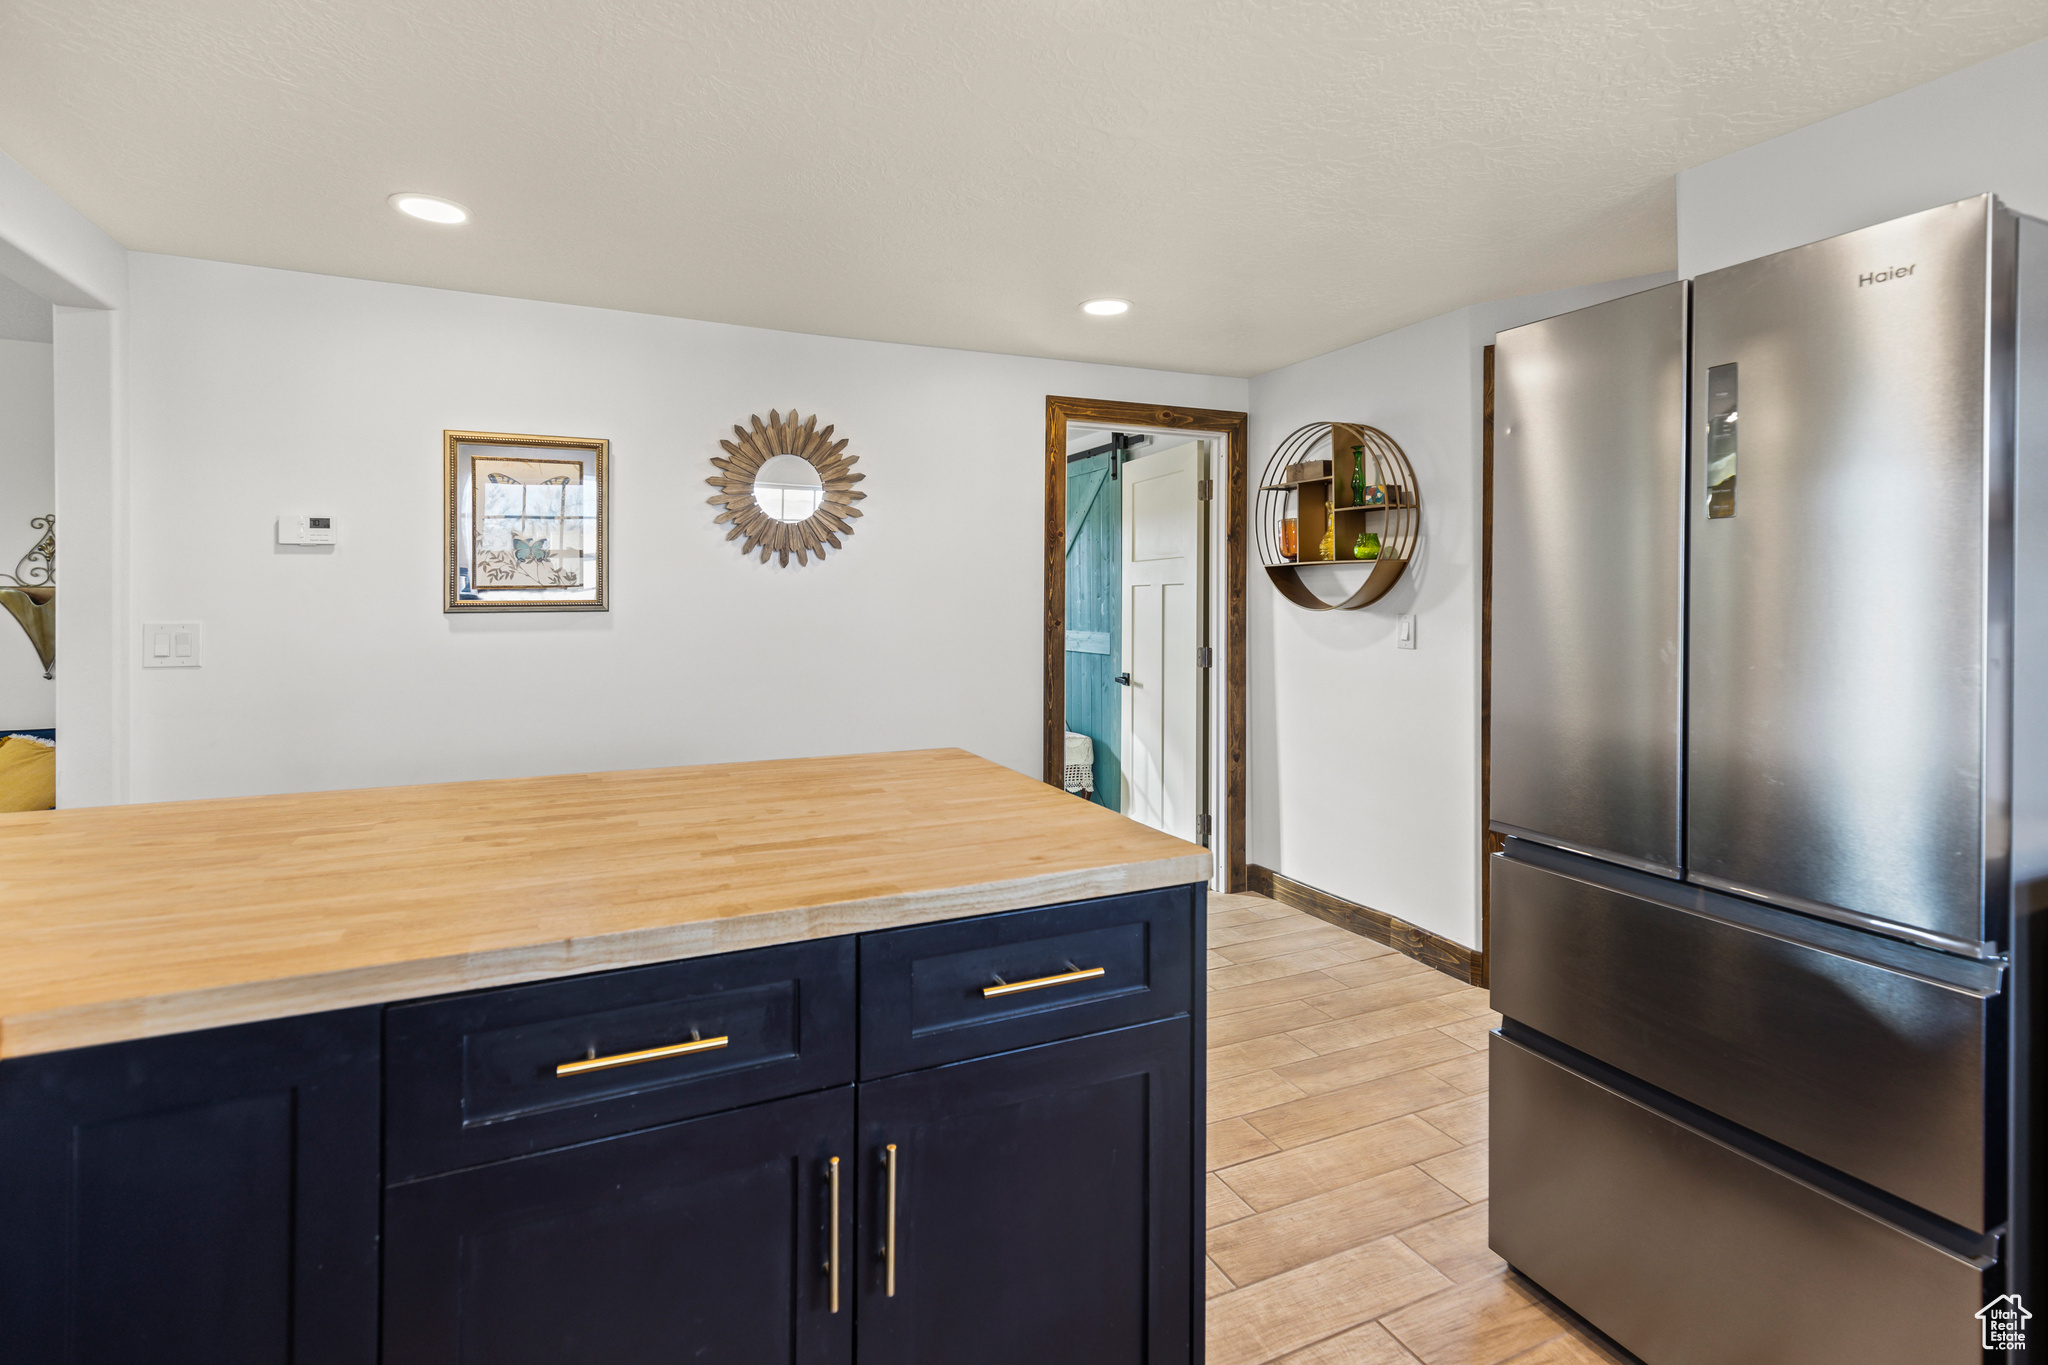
(172, 644)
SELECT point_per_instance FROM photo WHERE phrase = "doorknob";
(1123, 679)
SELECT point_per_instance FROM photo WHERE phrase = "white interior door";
(1162, 605)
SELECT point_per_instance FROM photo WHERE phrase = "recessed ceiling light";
(1106, 308)
(430, 209)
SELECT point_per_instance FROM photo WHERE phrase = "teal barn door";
(1095, 510)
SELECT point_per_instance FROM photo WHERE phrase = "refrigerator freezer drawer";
(1688, 1252)
(1867, 1055)
(1588, 586)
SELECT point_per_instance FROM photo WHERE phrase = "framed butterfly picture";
(527, 519)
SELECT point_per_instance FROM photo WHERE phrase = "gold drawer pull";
(652, 1054)
(1073, 973)
(889, 1235)
(832, 1172)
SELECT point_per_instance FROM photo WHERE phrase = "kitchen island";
(748, 1062)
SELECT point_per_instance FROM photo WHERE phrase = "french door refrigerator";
(1770, 753)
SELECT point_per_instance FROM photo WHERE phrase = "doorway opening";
(1144, 669)
(28, 520)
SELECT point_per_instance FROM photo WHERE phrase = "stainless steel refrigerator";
(1770, 750)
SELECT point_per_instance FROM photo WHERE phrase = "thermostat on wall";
(305, 530)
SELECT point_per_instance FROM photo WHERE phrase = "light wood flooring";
(1347, 1159)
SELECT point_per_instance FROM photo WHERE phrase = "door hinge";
(1202, 828)
(1205, 657)
(1205, 490)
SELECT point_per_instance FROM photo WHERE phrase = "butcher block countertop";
(121, 922)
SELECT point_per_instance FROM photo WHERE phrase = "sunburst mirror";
(787, 487)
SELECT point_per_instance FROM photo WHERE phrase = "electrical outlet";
(173, 644)
(1404, 631)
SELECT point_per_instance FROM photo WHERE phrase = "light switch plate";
(1404, 631)
(173, 644)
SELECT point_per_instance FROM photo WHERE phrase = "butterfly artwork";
(525, 523)
(529, 524)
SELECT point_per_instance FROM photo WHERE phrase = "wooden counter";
(123, 922)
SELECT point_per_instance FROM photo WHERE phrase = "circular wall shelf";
(1315, 464)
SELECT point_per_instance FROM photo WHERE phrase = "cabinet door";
(704, 1241)
(1042, 1206)
(208, 1198)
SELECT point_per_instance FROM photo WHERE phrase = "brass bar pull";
(652, 1054)
(1003, 987)
(832, 1170)
(889, 1224)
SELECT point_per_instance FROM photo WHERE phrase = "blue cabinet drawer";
(971, 988)
(505, 1072)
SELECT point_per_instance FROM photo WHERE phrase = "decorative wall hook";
(32, 600)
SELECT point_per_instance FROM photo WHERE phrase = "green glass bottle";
(1358, 476)
(1368, 546)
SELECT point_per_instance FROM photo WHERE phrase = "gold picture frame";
(529, 534)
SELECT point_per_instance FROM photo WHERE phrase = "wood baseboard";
(1452, 959)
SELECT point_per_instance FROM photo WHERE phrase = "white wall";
(1984, 128)
(24, 315)
(1364, 758)
(28, 488)
(257, 392)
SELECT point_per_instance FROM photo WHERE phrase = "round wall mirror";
(788, 488)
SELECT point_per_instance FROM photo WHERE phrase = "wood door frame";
(1227, 840)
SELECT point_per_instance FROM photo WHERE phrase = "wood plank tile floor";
(1347, 1160)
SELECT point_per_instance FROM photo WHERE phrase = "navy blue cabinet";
(707, 1241)
(204, 1199)
(1038, 1207)
(478, 1077)
(977, 1140)
(974, 987)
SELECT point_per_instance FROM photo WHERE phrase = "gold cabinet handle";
(889, 1225)
(1038, 983)
(652, 1054)
(832, 1258)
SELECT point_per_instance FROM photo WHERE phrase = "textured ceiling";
(1265, 180)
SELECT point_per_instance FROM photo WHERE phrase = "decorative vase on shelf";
(1290, 536)
(1358, 476)
(1367, 546)
(1329, 550)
